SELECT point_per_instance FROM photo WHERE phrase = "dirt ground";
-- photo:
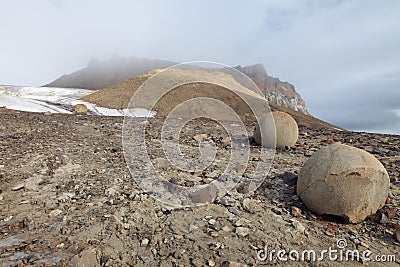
(67, 198)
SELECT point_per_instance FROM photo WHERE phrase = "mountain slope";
(100, 74)
(118, 95)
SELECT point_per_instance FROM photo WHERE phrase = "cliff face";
(281, 93)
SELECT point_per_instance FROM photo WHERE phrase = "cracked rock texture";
(344, 181)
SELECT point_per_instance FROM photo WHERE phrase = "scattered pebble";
(144, 242)
(398, 235)
(212, 221)
(18, 187)
(242, 231)
(55, 213)
(200, 137)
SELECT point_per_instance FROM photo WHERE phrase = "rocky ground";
(68, 199)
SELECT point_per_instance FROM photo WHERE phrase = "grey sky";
(342, 56)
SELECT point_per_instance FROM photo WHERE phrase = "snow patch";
(58, 100)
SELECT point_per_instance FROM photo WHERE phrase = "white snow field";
(57, 100)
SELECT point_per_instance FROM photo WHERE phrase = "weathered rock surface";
(286, 130)
(344, 181)
(265, 131)
(281, 93)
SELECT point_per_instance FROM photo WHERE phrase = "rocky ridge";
(276, 91)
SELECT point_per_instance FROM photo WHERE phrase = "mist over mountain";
(100, 74)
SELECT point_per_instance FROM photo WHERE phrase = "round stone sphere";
(80, 109)
(344, 181)
(286, 130)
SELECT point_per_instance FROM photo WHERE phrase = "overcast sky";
(342, 56)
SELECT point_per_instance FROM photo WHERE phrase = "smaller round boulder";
(344, 181)
(80, 109)
(286, 130)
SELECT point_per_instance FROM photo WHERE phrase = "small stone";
(232, 264)
(55, 213)
(147, 256)
(33, 182)
(243, 189)
(18, 187)
(330, 141)
(266, 184)
(241, 169)
(289, 178)
(398, 235)
(200, 137)
(211, 262)
(377, 151)
(241, 222)
(242, 231)
(234, 211)
(104, 260)
(384, 219)
(331, 230)
(212, 221)
(387, 231)
(88, 257)
(7, 219)
(296, 212)
(207, 180)
(215, 245)
(250, 205)
(226, 228)
(144, 242)
(1, 198)
(226, 141)
(161, 163)
(204, 195)
(391, 213)
(298, 226)
(276, 211)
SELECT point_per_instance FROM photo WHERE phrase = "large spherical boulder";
(80, 109)
(344, 181)
(286, 130)
(264, 133)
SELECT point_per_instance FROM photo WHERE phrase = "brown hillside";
(118, 95)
